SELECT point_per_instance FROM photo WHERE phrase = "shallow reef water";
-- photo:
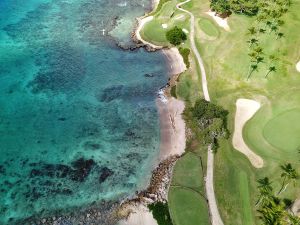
(78, 121)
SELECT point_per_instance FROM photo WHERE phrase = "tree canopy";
(175, 35)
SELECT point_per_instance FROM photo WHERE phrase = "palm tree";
(252, 30)
(288, 174)
(262, 31)
(272, 212)
(265, 189)
(259, 59)
(273, 28)
(252, 41)
(271, 69)
(258, 50)
(279, 35)
(253, 67)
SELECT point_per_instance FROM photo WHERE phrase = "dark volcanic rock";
(105, 173)
(82, 169)
(78, 172)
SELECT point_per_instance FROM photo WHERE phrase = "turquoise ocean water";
(78, 121)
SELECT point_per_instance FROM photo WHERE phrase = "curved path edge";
(209, 180)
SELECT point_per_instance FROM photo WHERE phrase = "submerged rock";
(105, 173)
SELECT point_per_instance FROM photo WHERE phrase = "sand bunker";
(164, 25)
(245, 109)
(220, 21)
(140, 216)
(185, 30)
(180, 17)
(298, 66)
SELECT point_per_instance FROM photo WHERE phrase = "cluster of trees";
(225, 7)
(272, 209)
(268, 22)
(161, 213)
(176, 36)
(210, 121)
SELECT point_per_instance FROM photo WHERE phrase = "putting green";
(208, 27)
(187, 207)
(283, 131)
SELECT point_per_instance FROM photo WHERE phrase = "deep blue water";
(78, 121)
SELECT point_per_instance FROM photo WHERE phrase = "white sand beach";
(140, 216)
(245, 109)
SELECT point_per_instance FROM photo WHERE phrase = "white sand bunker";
(298, 66)
(180, 17)
(245, 109)
(164, 25)
(185, 30)
(220, 21)
(140, 216)
(296, 207)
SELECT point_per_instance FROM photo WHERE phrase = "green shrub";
(208, 121)
(173, 91)
(161, 213)
(185, 52)
(175, 36)
(226, 7)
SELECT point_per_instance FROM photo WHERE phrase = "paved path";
(209, 180)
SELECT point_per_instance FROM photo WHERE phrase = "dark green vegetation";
(173, 91)
(161, 213)
(185, 52)
(175, 36)
(272, 209)
(226, 7)
(187, 202)
(209, 121)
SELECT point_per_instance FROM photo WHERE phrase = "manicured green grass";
(283, 131)
(208, 27)
(187, 207)
(188, 172)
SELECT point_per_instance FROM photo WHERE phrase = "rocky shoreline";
(110, 213)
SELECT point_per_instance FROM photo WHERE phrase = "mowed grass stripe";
(187, 207)
(245, 198)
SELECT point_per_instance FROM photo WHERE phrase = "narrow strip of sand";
(172, 128)
(140, 216)
(220, 21)
(245, 109)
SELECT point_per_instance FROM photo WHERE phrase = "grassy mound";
(188, 172)
(208, 27)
